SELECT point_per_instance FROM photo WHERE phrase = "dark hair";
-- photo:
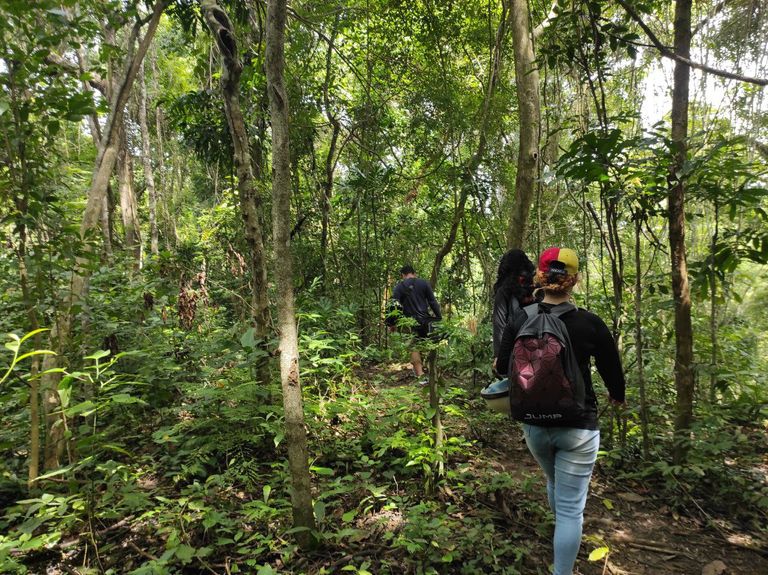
(407, 269)
(515, 276)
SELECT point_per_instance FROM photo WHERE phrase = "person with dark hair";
(512, 291)
(416, 299)
(567, 450)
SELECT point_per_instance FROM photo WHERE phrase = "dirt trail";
(645, 536)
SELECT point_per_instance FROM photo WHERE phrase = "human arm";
(433, 303)
(508, 342)
(608, 363)
(499, 320)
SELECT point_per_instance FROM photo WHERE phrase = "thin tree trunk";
(129, 209)
(437, 421)
(250, 206)
(684, 382)
(639, 336)
(34, 323)
(163, 214)
(468, 171)
(95, 129)
(104, 166)
(149, 174)
(713, 308)
(301, 495)
(527, 82)
(330, 164)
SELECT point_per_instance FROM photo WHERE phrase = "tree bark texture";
(129, 209)
(529, 104)
(92, 215)
(250, 205)
(639, 343)
(301, 496)
(684, 382)
(149, 173)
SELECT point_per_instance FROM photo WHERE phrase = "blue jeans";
(567, 456)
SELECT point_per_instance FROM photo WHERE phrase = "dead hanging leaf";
(715, 568)
(631, 497)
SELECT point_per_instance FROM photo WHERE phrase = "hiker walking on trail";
(551, 392)
(416, 299)
(512, 291)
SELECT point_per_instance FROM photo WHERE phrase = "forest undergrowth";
(201, 484)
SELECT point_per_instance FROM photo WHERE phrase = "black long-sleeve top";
(590, 338)
(417, 298)
(505, 306)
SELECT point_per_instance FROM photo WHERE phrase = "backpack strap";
(531, 310)
(562, 309)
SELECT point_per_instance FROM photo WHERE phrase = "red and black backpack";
(545, 384)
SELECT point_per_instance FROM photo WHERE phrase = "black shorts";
(421, 331)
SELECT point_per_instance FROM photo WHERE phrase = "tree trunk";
(330, 158)
(469, 169)
(250, 206)
(149, 174)
(104, 166)
(639, 336)
(713, 308)
(95, 129)
(684, 382)
(527, 82)
(129, 209)
(301, 496)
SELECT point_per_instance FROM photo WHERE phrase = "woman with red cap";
(567, 454)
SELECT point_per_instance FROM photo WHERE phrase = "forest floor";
(646, 533)
(379, 514)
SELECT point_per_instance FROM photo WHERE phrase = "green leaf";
(56, 472)
(64, 394)
(266, 490)
(608, 504)
(599, 553)
(185, 553)
(319, 508)
(36, 352)
(248, 340)
(97, 355)
(33, 333)
(321, 470)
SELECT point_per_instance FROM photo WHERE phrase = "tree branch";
(546, 23)
(96, 81)
(667, 52)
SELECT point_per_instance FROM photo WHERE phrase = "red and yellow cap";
(566, 258)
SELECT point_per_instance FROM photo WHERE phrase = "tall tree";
(529, 105)
(105, 164)
(295, 433)
(250, 205)
(129, 207)
(149, 172)
(684, 382)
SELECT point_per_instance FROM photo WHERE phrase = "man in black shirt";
(417, 299)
